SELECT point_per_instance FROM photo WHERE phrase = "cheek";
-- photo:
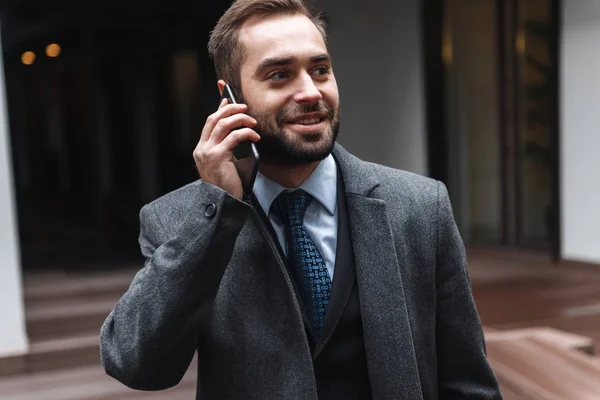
(331, 94)
(270, 106)
(263, 112)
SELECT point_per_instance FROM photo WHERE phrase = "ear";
(221, 84)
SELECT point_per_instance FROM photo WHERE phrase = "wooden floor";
(511, 290)
(514, 290)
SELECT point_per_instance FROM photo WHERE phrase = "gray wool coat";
(210, 284)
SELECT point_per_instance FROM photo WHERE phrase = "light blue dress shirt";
(321, 218)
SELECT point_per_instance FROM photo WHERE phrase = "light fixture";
(447, 50)
(28, 57)
(53, 50)
(520, 43)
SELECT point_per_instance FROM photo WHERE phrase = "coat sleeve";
(148, 340)
(463, 369)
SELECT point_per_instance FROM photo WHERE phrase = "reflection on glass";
(535, 105)
(472, 118)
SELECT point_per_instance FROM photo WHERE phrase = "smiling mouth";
(307, 121)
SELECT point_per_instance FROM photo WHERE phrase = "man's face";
(289, 87)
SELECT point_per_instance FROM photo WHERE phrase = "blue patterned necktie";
(303, 256)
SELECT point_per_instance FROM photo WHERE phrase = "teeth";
(308, 121)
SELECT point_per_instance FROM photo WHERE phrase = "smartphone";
(245, 155)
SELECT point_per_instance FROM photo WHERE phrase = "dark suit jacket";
(212, 284)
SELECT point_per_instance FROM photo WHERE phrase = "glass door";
(496, 150)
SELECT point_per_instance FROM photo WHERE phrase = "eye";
(321, 71)
(278, 75)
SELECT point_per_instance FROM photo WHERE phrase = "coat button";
(210, 210)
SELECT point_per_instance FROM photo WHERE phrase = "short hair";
(224, 47)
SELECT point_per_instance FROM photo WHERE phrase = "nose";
(307, 92)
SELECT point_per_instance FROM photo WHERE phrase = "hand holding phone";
(214, 156)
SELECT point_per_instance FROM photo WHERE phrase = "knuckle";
(211, 154)
(237, 133)
(221, 124)
(198, 155)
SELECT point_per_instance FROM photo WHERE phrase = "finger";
(226, 125)
(224, 111)
(238, 136)
(224, 102)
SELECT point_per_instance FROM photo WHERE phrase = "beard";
(278, 146)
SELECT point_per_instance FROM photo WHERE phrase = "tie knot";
(290, 207)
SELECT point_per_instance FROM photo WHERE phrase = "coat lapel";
(310, 332)
(391, 355)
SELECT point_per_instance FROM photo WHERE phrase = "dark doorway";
(106, 104)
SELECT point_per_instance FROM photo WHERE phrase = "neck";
(289, 176)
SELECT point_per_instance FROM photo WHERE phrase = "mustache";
(300, 109)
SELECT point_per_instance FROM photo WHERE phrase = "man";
(336, 279)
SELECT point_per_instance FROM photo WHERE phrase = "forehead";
(280, 35)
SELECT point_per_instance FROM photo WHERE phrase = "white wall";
(13, 339)
(377, 59)
(580, 130)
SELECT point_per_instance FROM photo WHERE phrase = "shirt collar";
(321, 184)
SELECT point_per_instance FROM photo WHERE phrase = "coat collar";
(358, 177)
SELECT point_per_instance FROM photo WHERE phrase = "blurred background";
(102, 104)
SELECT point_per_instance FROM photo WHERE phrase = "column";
(579, 130)
(13, 337)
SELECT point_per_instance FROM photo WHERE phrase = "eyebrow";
(284, 61)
